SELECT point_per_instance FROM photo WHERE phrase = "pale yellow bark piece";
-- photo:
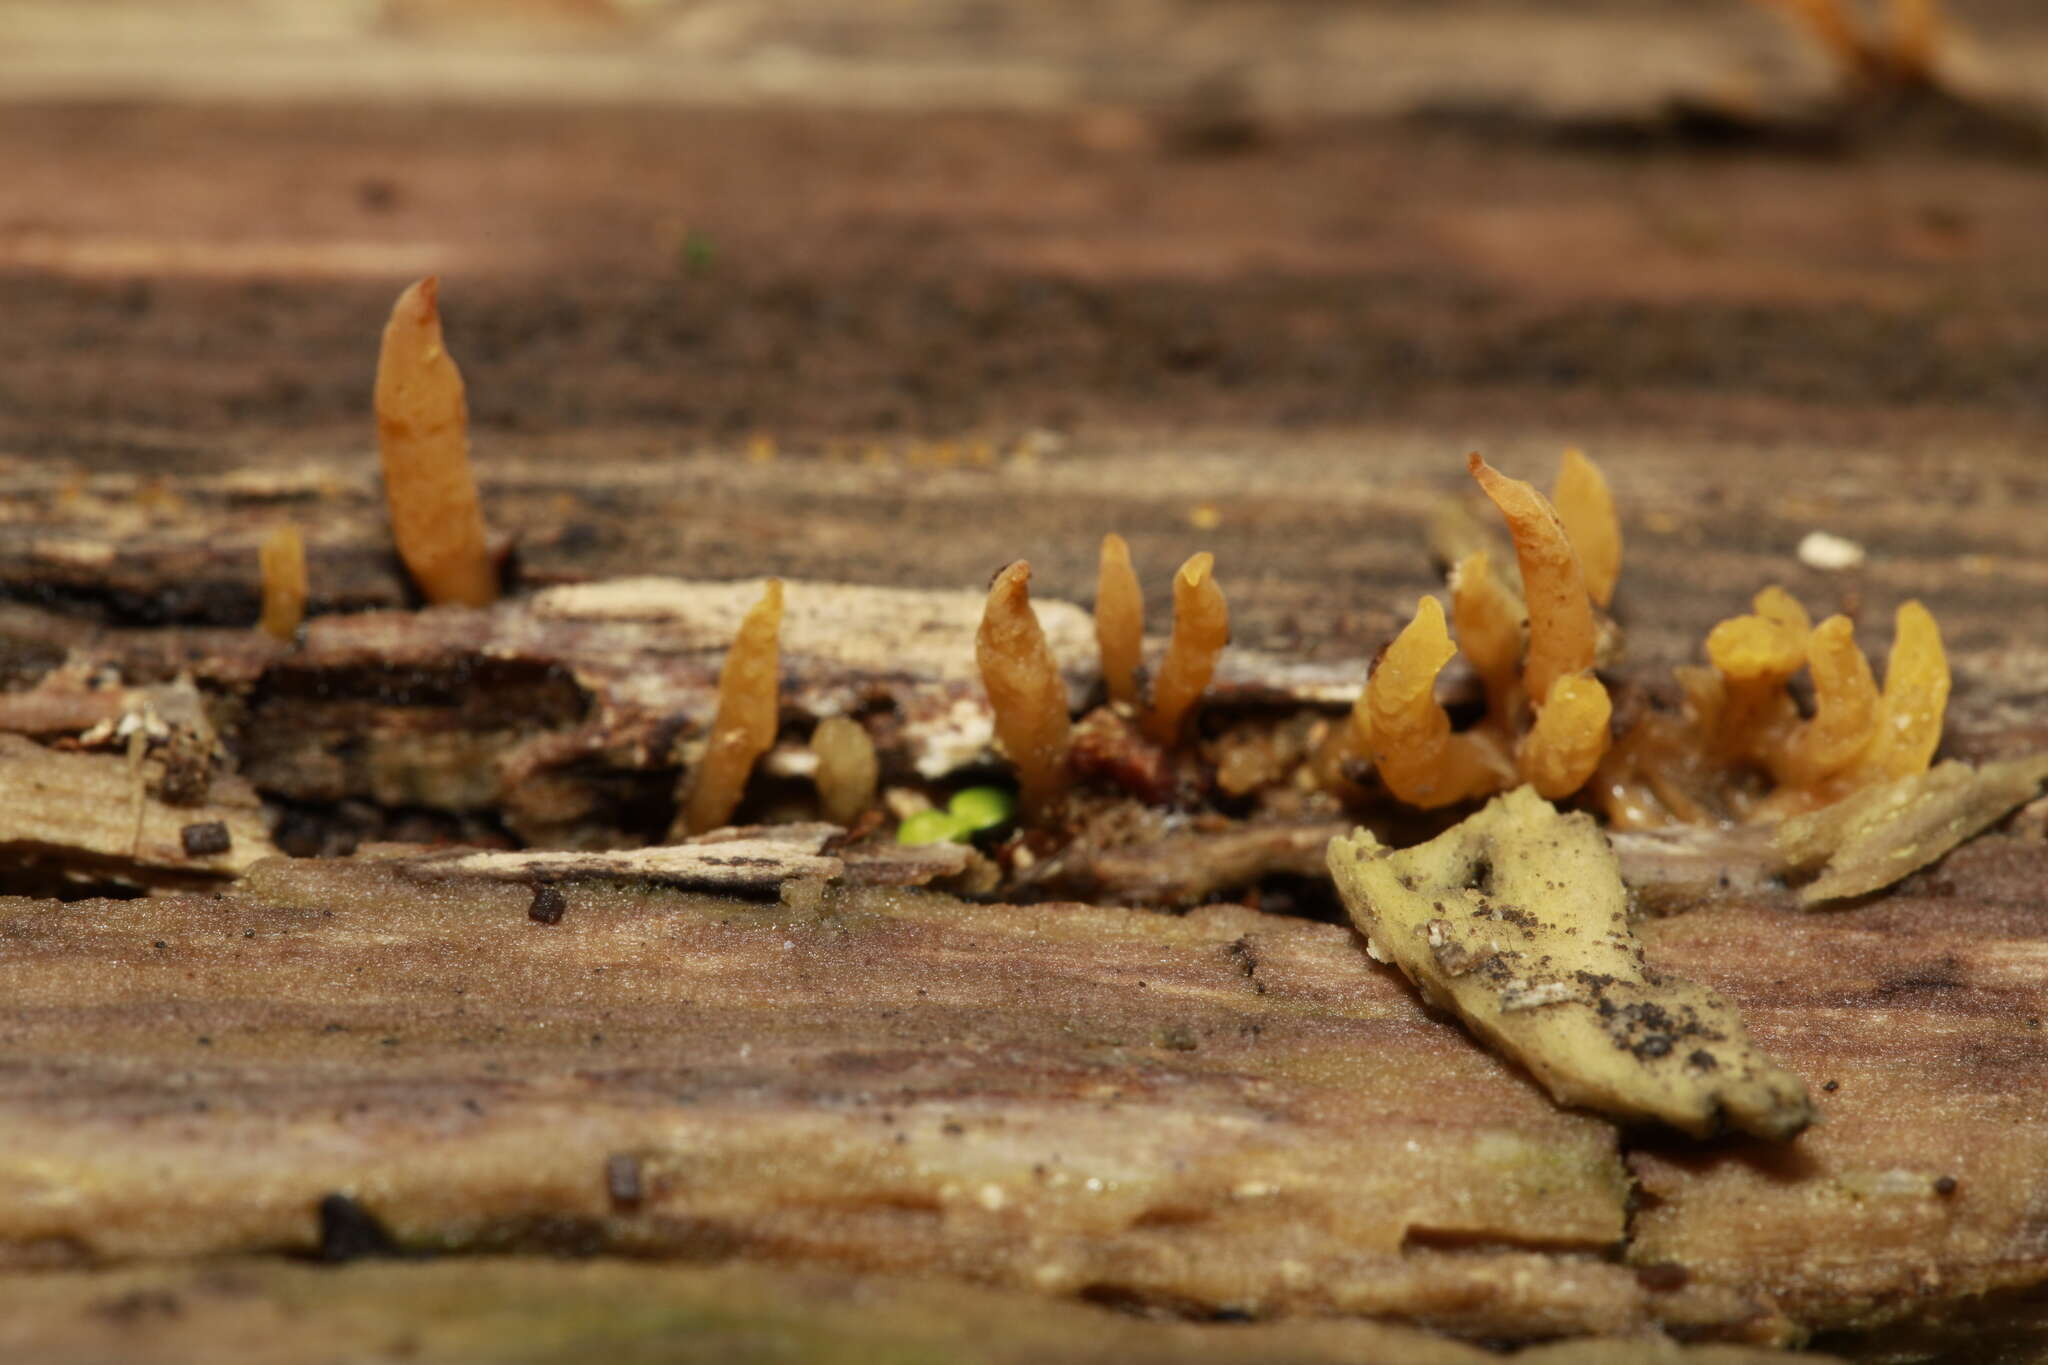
(1516, 920)
(1872, 838)
(749, 688)
(1201, 628)
(1119, 620)
(1025, 691)
(423, 434)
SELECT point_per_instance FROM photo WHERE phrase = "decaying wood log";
(567, 713)
(547, 1311)
(1221, 1111)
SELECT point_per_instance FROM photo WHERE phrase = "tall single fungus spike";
(1201, 627)
(1845, 712)
(1119, 620)
(1489, 622)
(744, 729)
(1025, 691)
(423, 434)
(1916, 684)
(1421, 761)
(283, 558)
(1561, 629)
(1586, 507)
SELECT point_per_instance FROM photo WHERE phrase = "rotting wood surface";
(1297, 340)
(1221, 1111)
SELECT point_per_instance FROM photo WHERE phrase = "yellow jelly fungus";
(1418, 757)
(1586, 507)
(1561, 629)
(1569, 738)
(1201, 627)
(1489, 622)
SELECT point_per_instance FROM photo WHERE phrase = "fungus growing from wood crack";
(744, 728)
(1025, 691)
(1119, 621)
(1741, 722)
(1201, 628)
(423, 437)
(1545, 708)
(847, 768)
(283, 560)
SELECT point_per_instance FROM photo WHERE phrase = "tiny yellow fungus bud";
(1201, 627)
(1561, 630)
(1119, 620)
(283, 558)
(847, 768)
(423, 434)
(1025, 691)
(1755, 656)
(1916, 685)
(744, 729)
(1586, 507)
(1845, 714)
(1569, 738)
(1489, 622)
(1418, 757)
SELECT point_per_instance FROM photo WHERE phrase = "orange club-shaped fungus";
(1025, 692)
(744, 727)
(1201, 628)
(423, 437)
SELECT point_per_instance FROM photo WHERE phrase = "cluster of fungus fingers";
(423, 438)
(745, 725)
(1742, 725)
(1548, 718)
(1025, 692)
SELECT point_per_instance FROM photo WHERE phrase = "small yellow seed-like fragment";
(847, 768)
(1569, 738)
(423, 436)
(1586, 507)
(283, 558)
(744, 729)
(1119, 620)
(1418, 757)
(1025, 691)
(1201, 627)
(1561, 630)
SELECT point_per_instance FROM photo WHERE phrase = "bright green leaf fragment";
(932, 827)
(980, 808)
